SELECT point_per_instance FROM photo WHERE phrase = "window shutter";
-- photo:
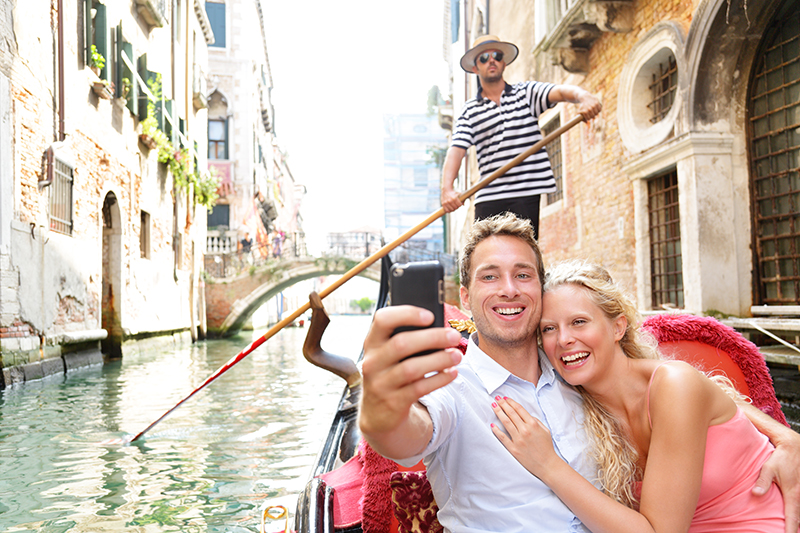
(101, 37)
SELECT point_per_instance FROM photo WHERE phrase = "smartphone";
(421, 284)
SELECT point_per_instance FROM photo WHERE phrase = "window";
(554, 152)
(216, 16)
(60, 203)
(96, 33)
(217, 138)
(220, 215)
(666, 267)
(144, 235)
(662, 90)
(648, 99)
(775, 162)
(421, 177)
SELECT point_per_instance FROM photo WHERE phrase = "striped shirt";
(500, 133)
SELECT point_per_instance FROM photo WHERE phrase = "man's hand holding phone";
(390, 416)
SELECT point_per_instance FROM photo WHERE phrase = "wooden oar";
(367, 262)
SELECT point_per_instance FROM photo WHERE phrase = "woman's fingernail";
(494, 404)
(497, 398)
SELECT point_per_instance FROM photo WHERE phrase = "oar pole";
(367, 262)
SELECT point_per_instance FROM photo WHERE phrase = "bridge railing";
(223, 259)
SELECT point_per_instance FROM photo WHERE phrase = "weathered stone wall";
(55, 289)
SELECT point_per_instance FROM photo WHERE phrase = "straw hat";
(488, 42)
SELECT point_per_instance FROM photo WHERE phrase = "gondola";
(345, 469)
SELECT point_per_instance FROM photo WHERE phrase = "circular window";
(649, 98)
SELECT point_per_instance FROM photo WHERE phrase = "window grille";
(60, 201)
(665, 241)
(775, 163)
(662, 90)
(554, 152)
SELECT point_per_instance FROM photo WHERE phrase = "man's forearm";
(452, 164)
(406, 440)
(774, 430)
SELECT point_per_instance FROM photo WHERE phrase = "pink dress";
(735, 451)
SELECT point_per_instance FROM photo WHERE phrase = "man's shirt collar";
(492, 374)
(507, 90)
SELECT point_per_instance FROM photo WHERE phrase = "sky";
(337, 68)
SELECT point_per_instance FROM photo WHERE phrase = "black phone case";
(420, 284)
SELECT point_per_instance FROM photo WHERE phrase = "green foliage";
(365, 304)
(205, 188)
(437, 155)
(434, 99)
(96, 59)
(178, 159)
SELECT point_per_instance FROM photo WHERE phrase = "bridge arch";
(231, 302)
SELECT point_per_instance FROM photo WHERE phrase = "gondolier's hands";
(450, 199)
(588, 105)
(390, 417)
(783, 467)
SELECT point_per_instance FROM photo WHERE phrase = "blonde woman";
(675, 453)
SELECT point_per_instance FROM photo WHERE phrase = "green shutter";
(87, 30)
(141, 67)
(124, 71)
(101, 36)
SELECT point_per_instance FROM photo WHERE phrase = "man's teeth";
(575, 357)
(509, 310)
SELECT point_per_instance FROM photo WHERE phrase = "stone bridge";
(232, 300)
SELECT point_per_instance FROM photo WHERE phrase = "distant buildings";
(242, 143)
(413, 148)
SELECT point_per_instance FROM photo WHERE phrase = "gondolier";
(502, 122)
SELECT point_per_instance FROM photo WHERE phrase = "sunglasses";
(484, 57)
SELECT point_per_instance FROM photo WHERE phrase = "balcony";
(154, 12)
(199, 88)
(574, 26)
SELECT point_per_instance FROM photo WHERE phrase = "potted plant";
(103, 89)
(149, 128)
(151, 134)
(96, 60)
(126, 88)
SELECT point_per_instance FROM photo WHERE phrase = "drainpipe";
(60, 53)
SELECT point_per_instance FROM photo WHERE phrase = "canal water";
(248, 438)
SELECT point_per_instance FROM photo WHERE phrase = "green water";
(248, 438)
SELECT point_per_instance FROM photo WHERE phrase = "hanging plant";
(205, 188)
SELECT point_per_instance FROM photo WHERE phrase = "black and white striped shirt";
(500, 133)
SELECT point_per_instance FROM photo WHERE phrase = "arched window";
(774, 113)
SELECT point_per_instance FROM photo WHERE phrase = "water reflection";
(249, 437)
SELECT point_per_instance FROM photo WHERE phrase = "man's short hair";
(503, 224)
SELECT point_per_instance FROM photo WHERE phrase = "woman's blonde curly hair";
(612, 449)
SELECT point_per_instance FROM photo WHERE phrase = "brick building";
(687, 186)
(99, 241)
